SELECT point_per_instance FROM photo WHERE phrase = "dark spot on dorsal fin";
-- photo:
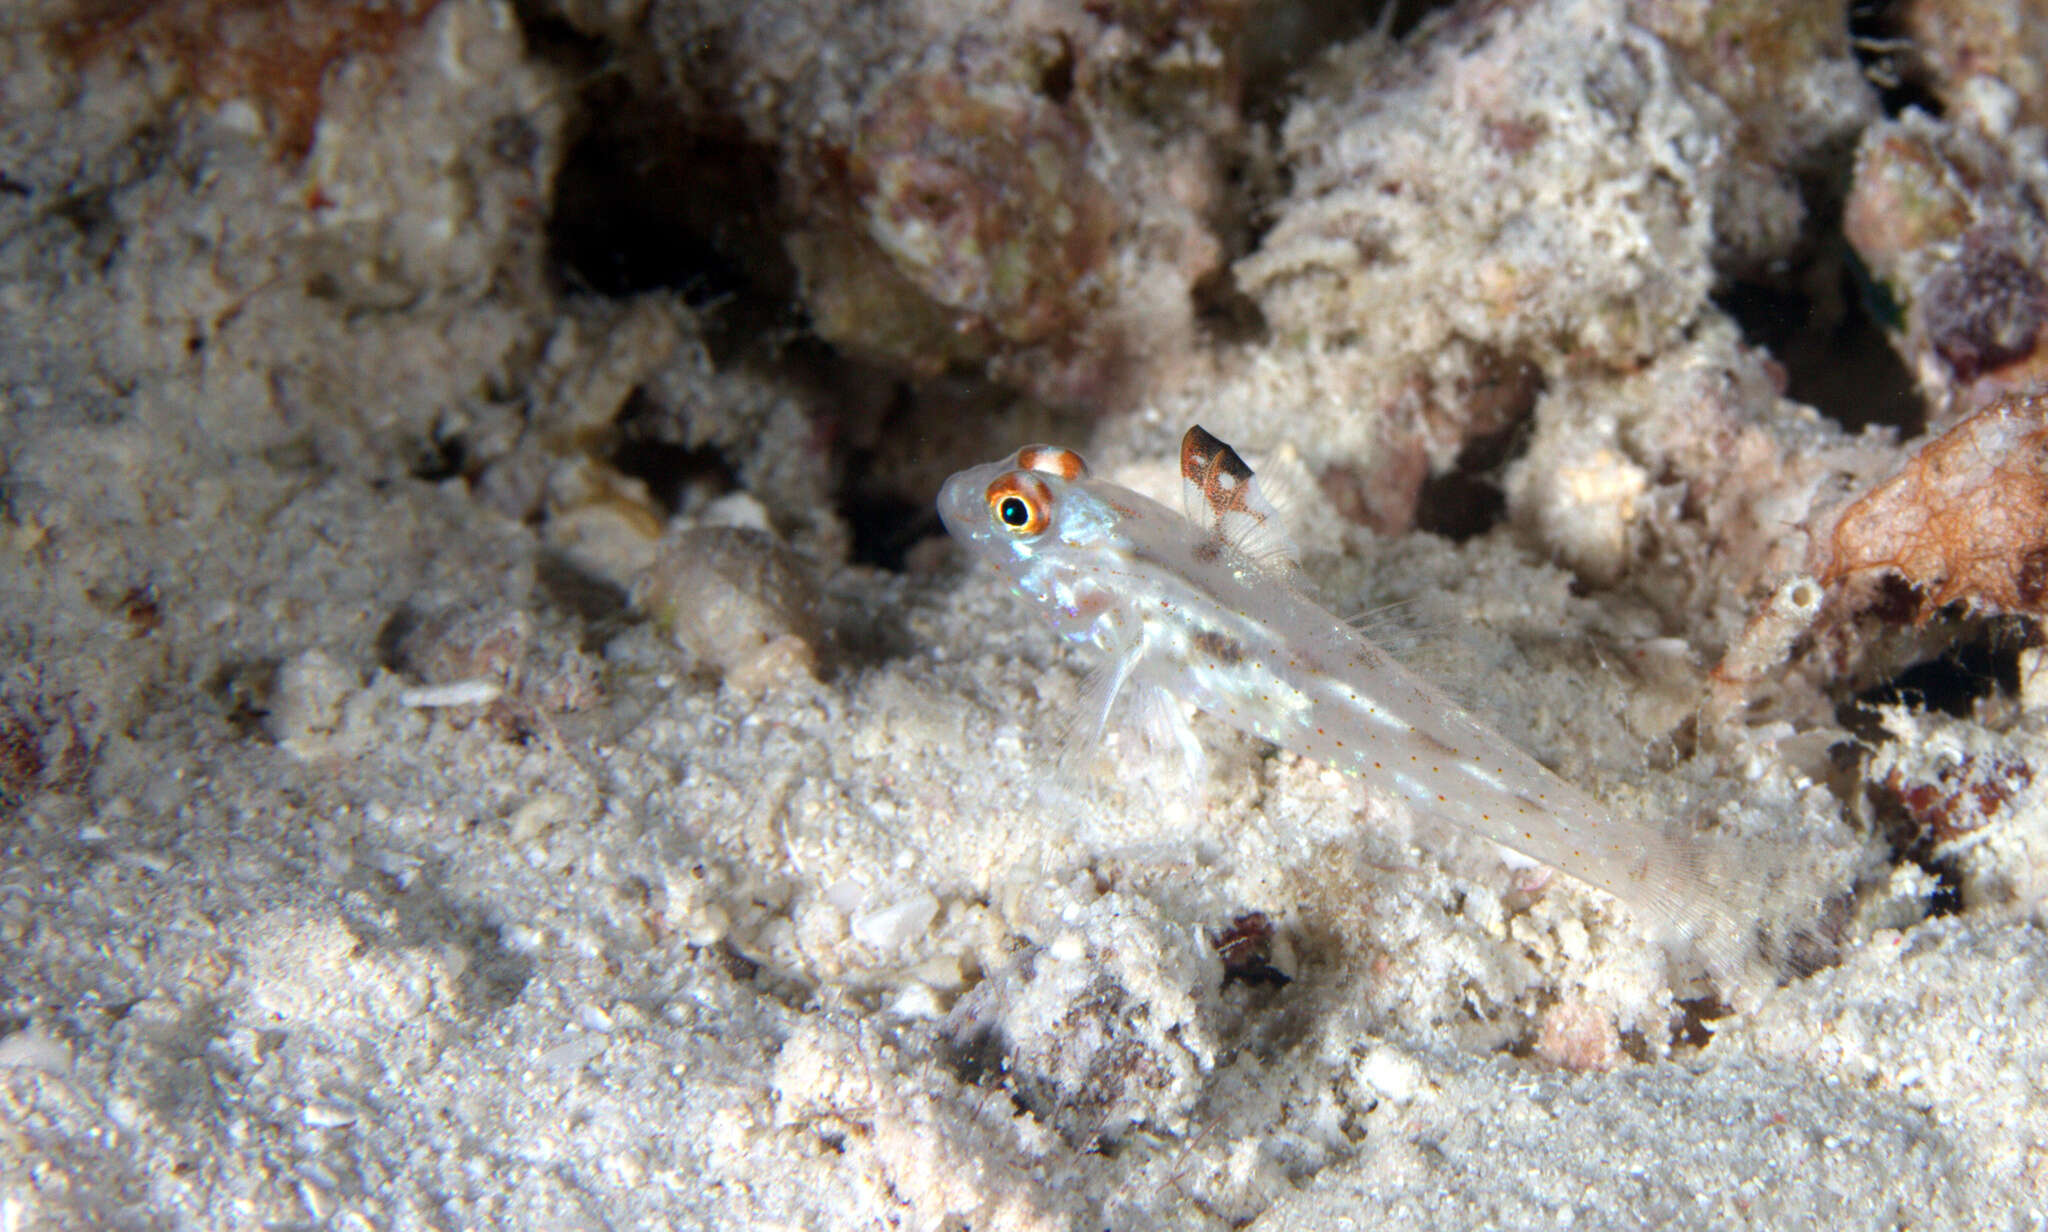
(1204, 461)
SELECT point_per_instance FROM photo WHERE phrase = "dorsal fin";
(1218, 491)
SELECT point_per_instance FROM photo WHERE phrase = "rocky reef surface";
(493, 734)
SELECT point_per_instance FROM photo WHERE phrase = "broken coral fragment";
(464, 641)
(1034, 199)
(1585, 238)
(1947, 780)
(1960, 44)
(1794, 88)
(1511, 199)
(1905, 195)
(1941, 216)
(606, 522)
(1955, 795)
(984, 200)
(739, 601)
(279, 57)
(1109, 1025)
(1984, 309)
(962, 225)
(1579, 1037)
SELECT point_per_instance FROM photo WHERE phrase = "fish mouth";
(960, 501)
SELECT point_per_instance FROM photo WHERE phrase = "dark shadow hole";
(675, 475)
(1281, 39)
(650, 199)
(1467, 500)
(391, 638)
(1696, 1019)
(886, 515)
(679, 476)
(1982, 662)
(885, 526)
(1877, 36)
(975, 1059)
(600, 604)
(1056, 77)
(440, 458)
(1823, 318)
(1947, 898)
(1835, 356)
(242, 691)
(1498, 399)
(1224, 312)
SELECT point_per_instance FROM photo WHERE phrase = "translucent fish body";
(1206, 608)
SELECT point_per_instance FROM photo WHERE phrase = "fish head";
(1001, 507)
(1031, 515)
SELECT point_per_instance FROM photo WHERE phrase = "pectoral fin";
(1082, 738)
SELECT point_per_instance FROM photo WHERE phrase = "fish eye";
(1020, 503)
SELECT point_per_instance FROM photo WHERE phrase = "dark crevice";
(391, 638)
(551, 37)
(661, 192)
(885, 525)
(664, 193)
(976, 1058)
(1696, 1018)
(1877, 35)
(1224, 312)
(1822, 317)
(1497, 402)
(877, 424)
(644, 202)
(1285, 38)
(1056, 76)
(440, 458)
(1947, 897)
(678, 476)
(1982, 662)
(242, 692)
(1466, 501)
(1836, 359)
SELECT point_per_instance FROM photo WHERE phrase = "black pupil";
(1013, 511)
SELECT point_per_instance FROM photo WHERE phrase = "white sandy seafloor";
(390, 844)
